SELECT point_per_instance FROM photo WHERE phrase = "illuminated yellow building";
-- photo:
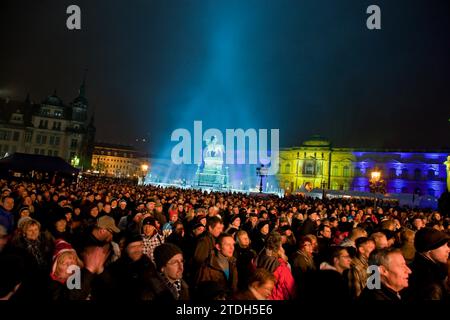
(309, 166)
(318, 164)
(119, 161)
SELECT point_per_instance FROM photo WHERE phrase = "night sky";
(305, 67)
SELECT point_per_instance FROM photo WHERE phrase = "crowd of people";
(98, 239)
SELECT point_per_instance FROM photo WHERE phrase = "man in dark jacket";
(170, 266)
(429, 266)
(221, 266)
(130, 277)
(206, 243)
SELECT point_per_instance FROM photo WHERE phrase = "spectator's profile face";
(27, 201)
(134, 250)
(8, 204)
(60, 225)
(149, 229)
(105, 235)
(173, 269)
(344, 260)
(264, 289)
(32, 232)
(199, 230)
(227, 247)
(440, 254)
(366, 249)
(308, 248)
(265, 229)
(107, 208)
(94, 212)
(217, 230)
(244, 240)
(326, 232)
(395, 273)
(381, 242)
(25, 213)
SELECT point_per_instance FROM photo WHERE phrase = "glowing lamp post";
(144, 168)
(376, 184)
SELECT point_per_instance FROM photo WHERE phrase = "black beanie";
(164, 253)
(132, 237)
(429, 239)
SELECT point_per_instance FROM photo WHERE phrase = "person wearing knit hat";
(150, 236)
(234, 225)
(133, 245)
(24, 212)
(260, 236)
(429, 268)
(170, 265)
(64, 257)
(429, 239)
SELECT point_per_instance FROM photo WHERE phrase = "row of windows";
(44, 152)
(44, 124)
(7, 135)
(114, 160)
(309, 169)
(116, 154)
(114, 166)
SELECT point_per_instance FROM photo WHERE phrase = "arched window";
(334, 171)
(358, 171)
(431, 173)
(287, 168)
(431, 192)
(346, 173)
(309, 168)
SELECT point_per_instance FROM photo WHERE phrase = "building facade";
(119, 161)
(316, 164)
(48, 128)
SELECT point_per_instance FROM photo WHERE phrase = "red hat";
(172, 213)
(61, 246)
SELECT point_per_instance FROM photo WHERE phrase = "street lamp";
(144, 168)
(261, 172)
(376, 184)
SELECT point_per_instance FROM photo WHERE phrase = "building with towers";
(51, 127)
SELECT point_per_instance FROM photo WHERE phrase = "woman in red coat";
(273, 259)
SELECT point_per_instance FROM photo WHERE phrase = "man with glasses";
(329, 283)
(170, 266)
